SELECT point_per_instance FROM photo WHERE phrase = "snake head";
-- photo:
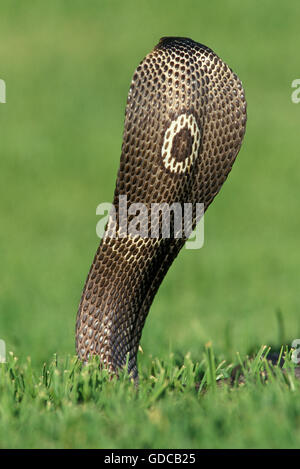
(184, 125)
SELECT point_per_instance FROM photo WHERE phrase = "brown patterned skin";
(178, 78)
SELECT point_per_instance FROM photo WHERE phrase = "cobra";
(184, 125)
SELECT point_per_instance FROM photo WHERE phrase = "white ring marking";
(182, 121)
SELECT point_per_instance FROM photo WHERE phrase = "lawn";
(67, 66)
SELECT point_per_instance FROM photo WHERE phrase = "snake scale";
(184, 125)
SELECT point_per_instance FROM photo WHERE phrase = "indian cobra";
(184, 125)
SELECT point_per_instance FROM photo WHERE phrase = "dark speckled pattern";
(178, 78)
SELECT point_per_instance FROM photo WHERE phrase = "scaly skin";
(184, 125)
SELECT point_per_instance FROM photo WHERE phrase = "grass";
(67, 67)
(180, 401)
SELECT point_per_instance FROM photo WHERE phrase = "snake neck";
(123, 280)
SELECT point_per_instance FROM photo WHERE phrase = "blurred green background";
(67, 67)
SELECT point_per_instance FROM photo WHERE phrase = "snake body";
(184, 125)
